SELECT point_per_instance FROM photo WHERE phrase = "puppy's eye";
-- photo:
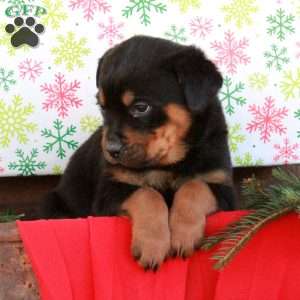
(140, 109)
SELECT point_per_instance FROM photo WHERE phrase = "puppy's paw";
(150, 246)
(186, 235)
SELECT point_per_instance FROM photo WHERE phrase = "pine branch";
(267, 203)
(227, 252)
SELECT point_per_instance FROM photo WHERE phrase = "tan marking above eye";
(127, 97)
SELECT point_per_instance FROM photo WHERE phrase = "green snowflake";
(235, 137)
(59, 139)
(258, 81)
(55, 13)
(280, 24)
(276, 57)
(89, 123)
(18, 3)
(247, 160)
(290, 84)
(297, 115)
(240, 12)
(27, 165)
(143, 7)
(184, 5)
(70, 51)
(6, 80)
(176, 35)
(57, 170)
(13, 121)
(228, 95)
(5, 41)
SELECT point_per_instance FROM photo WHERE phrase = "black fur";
(159, 72)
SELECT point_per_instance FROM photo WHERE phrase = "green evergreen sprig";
(265, 204)
(9, 216)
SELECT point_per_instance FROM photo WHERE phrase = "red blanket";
(90, 259)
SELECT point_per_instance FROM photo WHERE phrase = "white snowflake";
(111, 31)
(287, 152)
(201, 27)
(90, 6)
(30, 69)
(230, 52)
(61, 95)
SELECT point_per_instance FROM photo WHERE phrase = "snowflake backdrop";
(47, 93)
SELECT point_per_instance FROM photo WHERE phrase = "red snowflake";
(30, 69)
(61, 95)
(286, 153)
(200, 27)
(267, 119)
(90, 6)
(230, 52)
(111, 31)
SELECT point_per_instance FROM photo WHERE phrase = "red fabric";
(90, 259)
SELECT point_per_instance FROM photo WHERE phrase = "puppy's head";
(150, 91)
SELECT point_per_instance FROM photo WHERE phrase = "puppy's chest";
(158, 179)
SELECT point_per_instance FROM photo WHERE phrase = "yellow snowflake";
(57, 170)
(290, 84)
(258, 81)
(70, 51)
(239, 11)
(14, 121)
(184, 5)
(55, 13)
(90, 123)
(247, 160)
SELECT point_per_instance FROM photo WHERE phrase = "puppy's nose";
(114, 149)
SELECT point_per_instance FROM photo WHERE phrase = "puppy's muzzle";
(114, 147)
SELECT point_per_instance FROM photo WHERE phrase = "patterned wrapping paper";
(47, 92)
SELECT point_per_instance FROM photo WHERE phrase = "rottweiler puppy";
(161, 156)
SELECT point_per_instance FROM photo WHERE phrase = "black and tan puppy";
(161, 156)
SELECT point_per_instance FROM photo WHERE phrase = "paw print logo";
(24, 33)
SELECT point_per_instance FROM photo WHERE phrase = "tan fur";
(127, 98)
(192, 203)
(150, 231)
(167, 142)
(216, 176)
(135, 137)
(154, 178)
(165, 146)
(160, 179)
(101, 97)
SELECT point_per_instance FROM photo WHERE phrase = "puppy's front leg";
(192, 203)
(150, 232)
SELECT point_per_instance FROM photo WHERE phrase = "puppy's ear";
(198, 77)
(98, 72)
